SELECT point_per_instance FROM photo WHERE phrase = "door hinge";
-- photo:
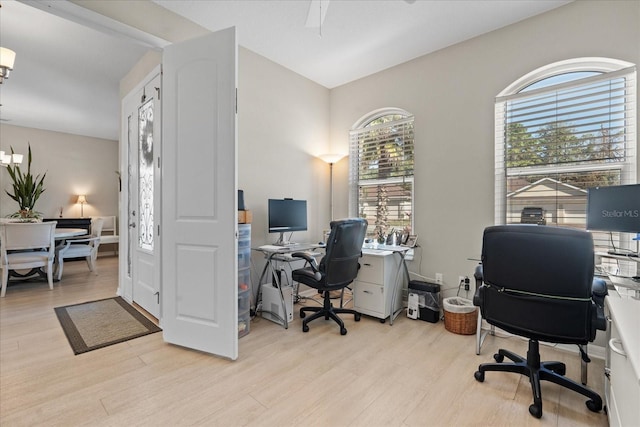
(158, 229)
(157, 295)
(236, 100)
(158, 162)
(158, 93)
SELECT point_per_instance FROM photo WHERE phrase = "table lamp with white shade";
(82, 199)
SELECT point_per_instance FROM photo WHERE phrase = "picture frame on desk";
(411, 241)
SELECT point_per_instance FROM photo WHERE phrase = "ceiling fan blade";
(317, 13)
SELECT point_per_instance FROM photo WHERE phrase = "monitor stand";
(282, 242)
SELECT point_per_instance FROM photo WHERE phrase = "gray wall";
(74, 165)
(451, 93)
(285, 121)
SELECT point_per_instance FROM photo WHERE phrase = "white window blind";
(381, 173)
(554, 142)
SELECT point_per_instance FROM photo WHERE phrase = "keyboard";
(291, 257)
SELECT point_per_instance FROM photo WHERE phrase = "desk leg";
(405, 269)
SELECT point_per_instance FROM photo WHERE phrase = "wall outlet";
(460, 280)
(439, 278)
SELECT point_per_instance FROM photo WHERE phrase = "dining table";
(65, 233)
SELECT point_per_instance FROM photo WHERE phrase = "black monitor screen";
(615, 208)
(287, 215)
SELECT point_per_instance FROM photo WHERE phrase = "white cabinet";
(376, 282)
(622, 384)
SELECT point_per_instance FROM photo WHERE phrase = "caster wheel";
(498, 357)
(479, 376)
(357, 317)
(383, 320)
(594, 406)
(535, 410)
(343, 331)
(302, 314)
(305, 328)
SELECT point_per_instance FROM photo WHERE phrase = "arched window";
(560, 130)
(381, 171)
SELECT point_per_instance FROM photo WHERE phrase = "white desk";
(273, 255)
(622, 363)
(377, 291)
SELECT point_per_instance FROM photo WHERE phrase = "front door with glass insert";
(143, 142)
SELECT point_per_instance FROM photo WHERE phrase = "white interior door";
(199, 189)
(142, 113)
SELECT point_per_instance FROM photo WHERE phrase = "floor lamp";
(331, 159)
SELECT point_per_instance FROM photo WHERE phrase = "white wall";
(285, 120)
(74, 165)
(283, 125)
(451, 93)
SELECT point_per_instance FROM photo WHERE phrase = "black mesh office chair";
(337, 269)
(538, 284)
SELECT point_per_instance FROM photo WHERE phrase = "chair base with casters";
(327, 311)
(537, 371)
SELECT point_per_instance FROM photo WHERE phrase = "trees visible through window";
(560, 132)
(381, 172)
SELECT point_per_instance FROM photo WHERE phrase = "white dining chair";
(109, 234)
(26, 246)
(86, 248)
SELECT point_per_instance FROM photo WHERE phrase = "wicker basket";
(460, 316)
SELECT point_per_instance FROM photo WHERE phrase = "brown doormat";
(101, 323)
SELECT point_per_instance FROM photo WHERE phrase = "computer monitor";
(287, 215)
(614, 208)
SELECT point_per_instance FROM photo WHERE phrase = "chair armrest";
(82, 240)
(63, 248)
(598, 293)
(312, 262)
(479, 279)
(310, 259)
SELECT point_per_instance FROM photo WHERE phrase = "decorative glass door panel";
(145, 180)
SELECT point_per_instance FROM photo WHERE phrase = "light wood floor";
(413, 373)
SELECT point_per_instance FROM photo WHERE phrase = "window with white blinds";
(560, 135)
(381, 172)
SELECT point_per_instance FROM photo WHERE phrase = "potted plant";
(26, 190)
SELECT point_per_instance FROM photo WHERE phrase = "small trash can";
(460, 316)
(427, 297)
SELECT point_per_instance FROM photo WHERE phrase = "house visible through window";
(559, 131)
(381, 172)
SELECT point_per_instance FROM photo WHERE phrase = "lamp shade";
(332, 158)
(7, 58)
(82, 199)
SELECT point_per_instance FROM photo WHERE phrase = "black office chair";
(538, 283)
(337, 269)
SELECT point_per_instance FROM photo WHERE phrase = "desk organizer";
(244, 279)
